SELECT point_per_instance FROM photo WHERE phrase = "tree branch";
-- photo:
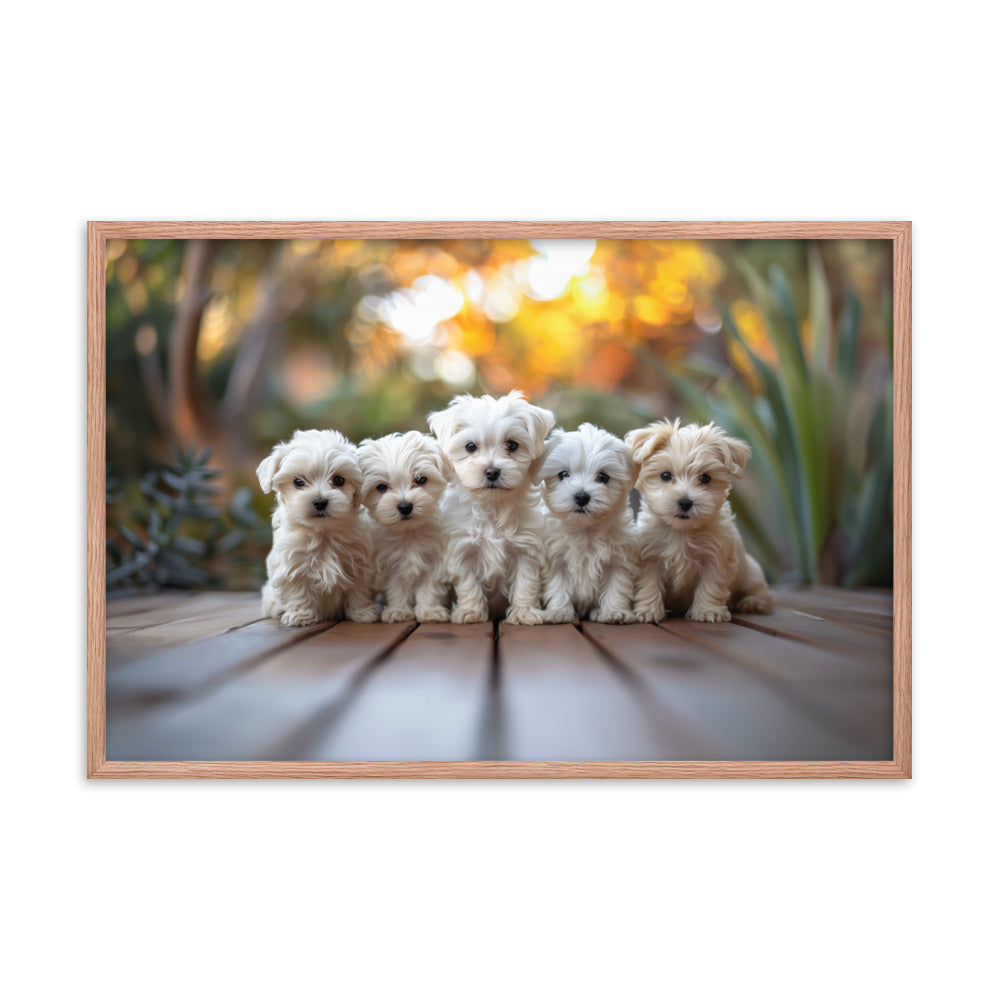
(191, 416)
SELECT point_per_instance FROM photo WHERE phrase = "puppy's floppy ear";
(435, 451)
(643, 441)
(364, 452)
(353, 474)
(437, 422)
(631, 469)
(444, 424)
(735, 455)
(364, 455)
(542, 466)
(268, 469)
(540, 422)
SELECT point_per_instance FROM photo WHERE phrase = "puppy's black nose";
(405, 508)
(492, 474)
(685, 504)
(582, 498)
(320, 503)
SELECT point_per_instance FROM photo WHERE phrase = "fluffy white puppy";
(692, 558)
(494, 549)
(403, 478)
(320, 565)
(591, 552)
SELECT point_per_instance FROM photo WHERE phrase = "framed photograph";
(499, 499)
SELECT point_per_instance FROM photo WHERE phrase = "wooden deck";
(203, 677)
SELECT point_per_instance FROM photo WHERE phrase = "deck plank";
(169, 611)
(849, 693)
(562, 699)
(428, 700)
(870, 608)
(742, 718)
(201, 677)
(849, 639)
(127, 644)
(122, 607)
(186, 670)
(268, 712)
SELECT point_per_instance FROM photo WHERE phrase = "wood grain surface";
(252, 690)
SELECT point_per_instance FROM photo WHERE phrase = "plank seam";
(196, 691)
(778, 633)
(325, 718)
(649, 694)
(834, 723)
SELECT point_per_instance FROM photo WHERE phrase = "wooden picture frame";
(900, 766)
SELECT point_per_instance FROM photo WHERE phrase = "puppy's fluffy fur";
(404, 476)
(320, 563)
(692, 558)
(494, 548)
(586, 477)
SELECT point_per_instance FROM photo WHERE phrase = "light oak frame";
(899, 767)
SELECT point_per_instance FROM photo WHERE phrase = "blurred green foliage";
(170, 530)
(235, 344)
(819, 419)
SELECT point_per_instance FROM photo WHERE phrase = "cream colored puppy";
(404, 476)
(495, 548)
(590, 544)
(320, 565)
(692, 558)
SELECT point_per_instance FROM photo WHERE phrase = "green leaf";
(785, 325)
(819, 309)
(789, 445)
(231, 540)
(136, 541)
(189, 546)
(847, 337)
(175, 481)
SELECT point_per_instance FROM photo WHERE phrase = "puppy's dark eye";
(602, 477)
(666, 476)
(704, 479)
(471, 446)
(382, 487)
(299, 483)
(420, 480)
(564, 474)
(512, 446)
(337, 480)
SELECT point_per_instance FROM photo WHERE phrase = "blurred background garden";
(216, 349)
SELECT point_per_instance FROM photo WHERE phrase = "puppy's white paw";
(397, 615)
(650, 615)
(369, 613)
(708, 614)
(761, 603)
(466, 616)
(559, 616)
(613, 616)
(525, 616)
(296, 619)
(432, 613)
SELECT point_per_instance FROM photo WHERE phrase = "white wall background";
(503, 111)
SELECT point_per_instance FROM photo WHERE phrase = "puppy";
(692, 558)
(403, 478)
(320, 565)
(591, 551)
(494, 549)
